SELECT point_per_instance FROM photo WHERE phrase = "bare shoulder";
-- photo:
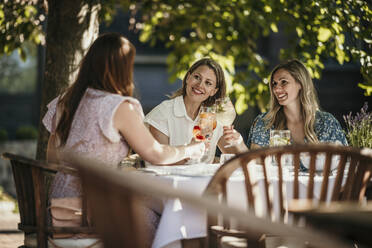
(126, 112)
(126, 107)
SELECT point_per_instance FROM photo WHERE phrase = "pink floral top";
(92, 131)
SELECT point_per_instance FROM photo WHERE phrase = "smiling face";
(201, 84)
(285, 88)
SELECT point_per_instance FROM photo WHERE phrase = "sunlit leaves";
(324, 34)
(231, 30)
(20, 21)
(273, 27)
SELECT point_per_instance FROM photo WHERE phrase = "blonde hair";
(308, 100)
(220, 83)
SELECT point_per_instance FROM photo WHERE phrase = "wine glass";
(225, 113)
(280, 138)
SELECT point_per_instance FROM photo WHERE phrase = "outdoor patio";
(10, 236)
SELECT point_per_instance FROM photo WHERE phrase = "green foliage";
(359, 128)
(17, 76)
(4, 196)
(20, 21)
(230, 31)
(3, 134)
(26, 132)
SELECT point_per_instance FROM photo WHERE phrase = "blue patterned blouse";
(326, 128)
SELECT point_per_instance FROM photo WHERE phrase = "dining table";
(182, 221)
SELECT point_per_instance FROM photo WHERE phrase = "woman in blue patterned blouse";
(293, 106)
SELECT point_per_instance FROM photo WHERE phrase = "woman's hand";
(195, 150)
(231, 141)
(231, 136)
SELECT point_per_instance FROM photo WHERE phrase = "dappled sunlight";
(183, 231)
(177, 205)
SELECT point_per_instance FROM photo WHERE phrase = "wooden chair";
(113, 197)
(352, 220)
(31, 179)
(349, 185)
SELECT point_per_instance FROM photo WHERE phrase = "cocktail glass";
(203, 130)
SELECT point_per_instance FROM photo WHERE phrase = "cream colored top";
(170, 118)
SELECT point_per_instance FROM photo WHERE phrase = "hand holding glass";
(225, 113)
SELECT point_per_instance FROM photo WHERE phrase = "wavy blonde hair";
(308, 100)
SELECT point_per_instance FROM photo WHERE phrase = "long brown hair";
(308, 99)
(107, 66)
(220, 77)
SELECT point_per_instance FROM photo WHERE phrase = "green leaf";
(146, 33)
(240, 104)
(273, 27)
(366, 88)
(299, 31)
(268, 9)
(340, 55)
(22, 54)
(324, 34)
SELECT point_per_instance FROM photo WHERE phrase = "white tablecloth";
(182, 221)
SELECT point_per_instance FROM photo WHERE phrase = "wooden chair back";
(350, 219)
(113, 196)
(31, 178)
(351, 176)
(114, 209)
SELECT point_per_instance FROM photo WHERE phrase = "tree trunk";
(72, 26)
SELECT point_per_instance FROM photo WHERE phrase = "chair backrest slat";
(248, 186)
(281, 192)
(296, 186)
(326, 171)
(25, 193)
(350, 180)
(339, 178)
(266, 191)
(40, 205)
(358, 184)
(310, 187)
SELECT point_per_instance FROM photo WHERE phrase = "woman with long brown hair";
(98, 117)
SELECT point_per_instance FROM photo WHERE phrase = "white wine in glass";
(281, 138)
(225, 112)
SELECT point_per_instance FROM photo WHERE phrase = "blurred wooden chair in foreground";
(346, 219)
(344, 176)
(32, 178)
(113, 199)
